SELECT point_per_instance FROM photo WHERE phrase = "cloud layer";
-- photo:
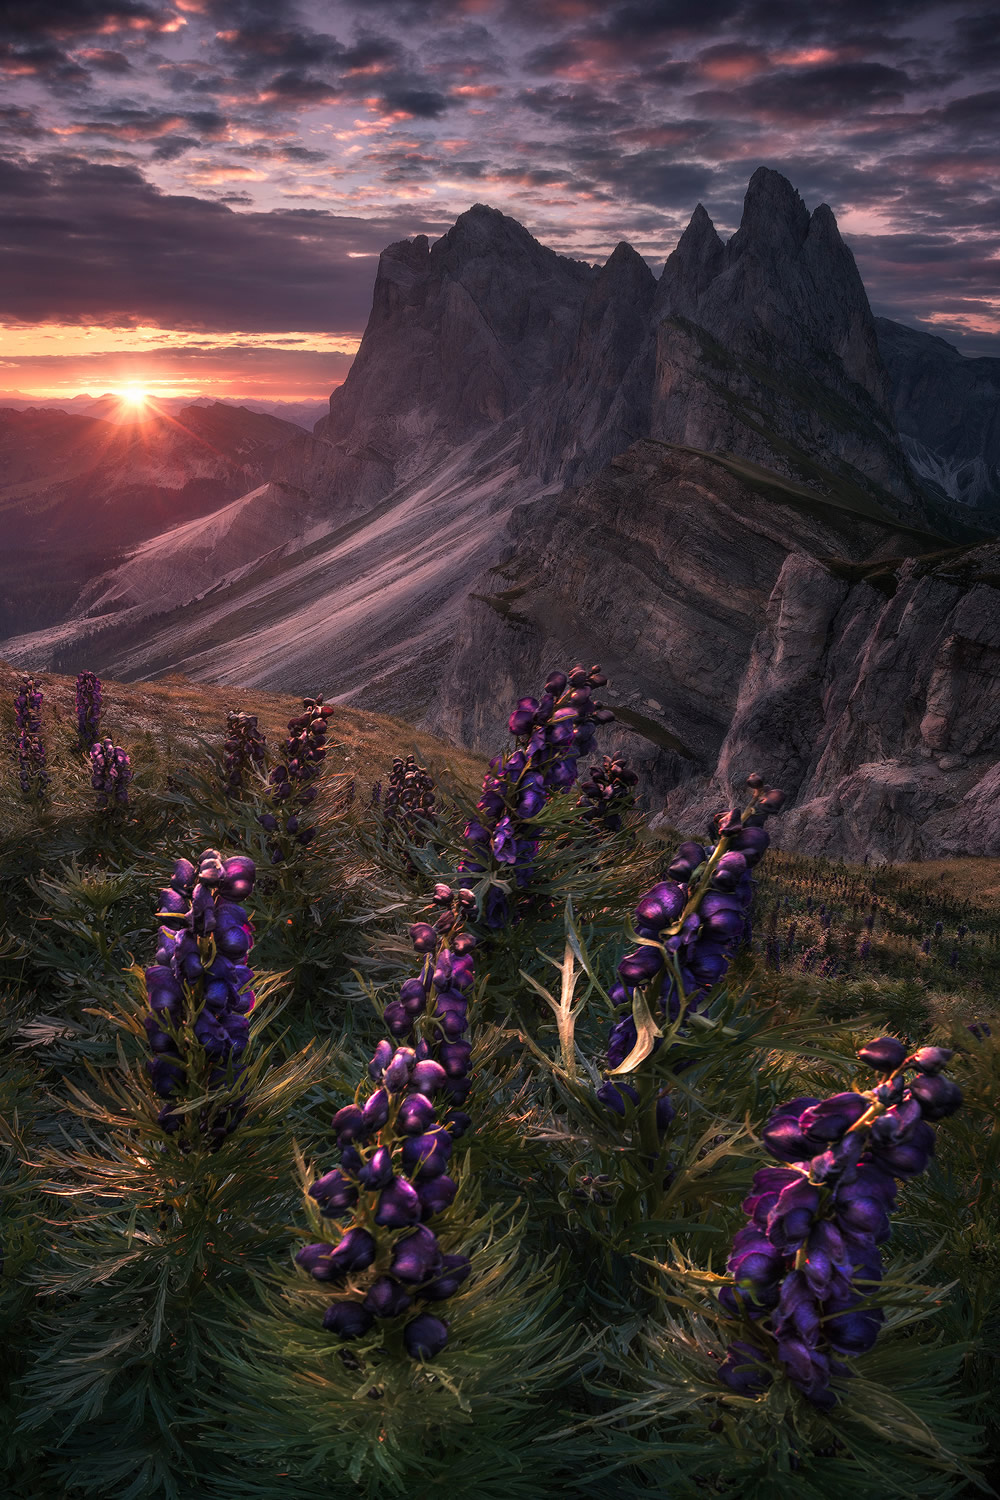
(235, 164)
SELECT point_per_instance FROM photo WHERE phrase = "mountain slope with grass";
(209, 1290)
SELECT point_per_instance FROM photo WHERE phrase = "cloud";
(805, 95)
(65, 19)
(98, 244)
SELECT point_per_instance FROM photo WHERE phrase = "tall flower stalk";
(111, 772)
(29, 750)
(291, 781)
(689, 928)
(552, 733)
(608, 794)
(88, 711)
(807, 1265)
(243, 751)
(395, 1143)
(199, 990)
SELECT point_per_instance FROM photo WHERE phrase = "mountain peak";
(625, 264)
(693, 264)
(773, 213)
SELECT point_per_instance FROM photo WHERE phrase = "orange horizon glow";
(57, 361)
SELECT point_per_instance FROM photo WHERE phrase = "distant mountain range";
(698, 480)
(301, 413)
(77, 490)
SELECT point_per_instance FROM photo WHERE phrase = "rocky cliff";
(748, 624)
(947, 407)
(766, 347)
(873, 696)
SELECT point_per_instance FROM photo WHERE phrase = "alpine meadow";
(499, 750)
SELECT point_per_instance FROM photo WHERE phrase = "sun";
(134, 395)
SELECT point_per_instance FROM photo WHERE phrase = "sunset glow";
(194, 203)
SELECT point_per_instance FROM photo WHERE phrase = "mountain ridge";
(500, 393)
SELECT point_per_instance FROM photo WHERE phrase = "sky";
(194, 193)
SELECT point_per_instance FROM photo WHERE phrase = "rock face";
(876, 705)
(462, 335)
(947, 408)
(864, 681)
(661, 567)
(766, 347)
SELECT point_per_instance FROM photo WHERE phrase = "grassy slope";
(162, 723)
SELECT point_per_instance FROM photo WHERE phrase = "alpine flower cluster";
(608, 794)
(291, 789)
(806, 1266)
(409, 794)
(111, 772)
(553, 732)
(691, 925)
(30, 748)
(199, 989)
(395, 1151)
(243, 750)
(88, 711)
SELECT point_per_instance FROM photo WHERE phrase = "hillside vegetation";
(512, 1263)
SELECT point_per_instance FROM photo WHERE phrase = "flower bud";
(937, 1096)
(348, 1123)
(383, 1055)
(425, 1336)
(423, 937)
(427, 1076)
(386, 1298)
(640, 966)
(417, 1256)
(885, 1053)
(398, 1205)
(416, 1114)
(377, 1173)
(348, 1320)
(931, 1059)
(376, 1111)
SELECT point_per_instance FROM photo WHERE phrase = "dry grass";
(159, 722)
(976, 880)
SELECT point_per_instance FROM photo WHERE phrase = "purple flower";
(196, 907)
(937, 1096)
(88, 711)
(885, 1052)
(816, 1229)
(783, 1136)
(427, 1076)
(744, 1369)
(416, 1114)
(398, 1205)
(425, 1336)
(243, 750)
(417, 1256)
(436, 1194)
(348, 1320)
(790, 1220)
(386, 1298)
(348, 1123)
(334, 1193)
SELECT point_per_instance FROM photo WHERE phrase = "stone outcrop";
(663, 568)
(876, 705)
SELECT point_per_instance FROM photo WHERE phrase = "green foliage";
(158, 1340)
